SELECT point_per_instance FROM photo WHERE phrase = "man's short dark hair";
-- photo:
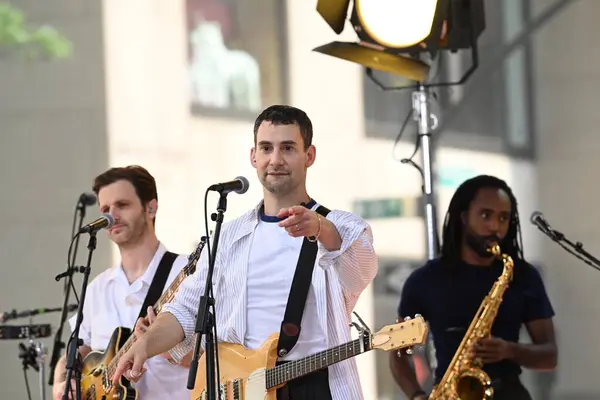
(286, 115)
(139, 177)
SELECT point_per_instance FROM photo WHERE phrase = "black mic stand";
(58, 343)
(583, 255)
(73, 358)
(205, 322)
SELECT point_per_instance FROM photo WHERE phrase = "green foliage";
(43, 42)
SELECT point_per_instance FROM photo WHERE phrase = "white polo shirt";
(111, 302)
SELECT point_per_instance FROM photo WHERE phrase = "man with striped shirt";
(256, 262)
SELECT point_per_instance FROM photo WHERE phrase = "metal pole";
(41, 352)
(421, 114)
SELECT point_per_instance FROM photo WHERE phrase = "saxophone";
(465, 379)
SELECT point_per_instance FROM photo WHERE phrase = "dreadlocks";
(453, 225)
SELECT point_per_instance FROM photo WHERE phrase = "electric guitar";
(252, 375)
(99, 367)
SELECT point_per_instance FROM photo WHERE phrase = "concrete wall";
(52, 142)
(567, 81)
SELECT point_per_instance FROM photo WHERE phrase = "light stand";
(422, 114)
(206, 321)
(73, 357)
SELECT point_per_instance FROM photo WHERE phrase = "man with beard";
(448, 291)
(258, 262)
(115, 297)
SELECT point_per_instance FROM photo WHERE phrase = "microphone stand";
(34, 357)
(73, 358)
(583, 255)
(205, 322)
(58, 343)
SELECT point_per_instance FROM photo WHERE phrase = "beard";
(132, 232)
(480, 244)
(279, 185)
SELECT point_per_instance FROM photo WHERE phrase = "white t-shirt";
(111, 302)
(271, 267)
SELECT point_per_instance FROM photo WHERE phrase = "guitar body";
(242, 372)
(252, 374)
(95, 382)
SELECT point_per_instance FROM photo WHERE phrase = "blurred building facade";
(136, 91)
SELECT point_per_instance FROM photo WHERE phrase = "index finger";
(284, 212)
(151, 314)
(121, 367)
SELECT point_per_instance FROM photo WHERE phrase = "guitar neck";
(295, 369)
(166, 297)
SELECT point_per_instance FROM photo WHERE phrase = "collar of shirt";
(118, 273)
(248, 222)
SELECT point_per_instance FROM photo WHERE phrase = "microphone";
(14, 314)
(87, 199)
(239, 185)
(105, 221)
(538, 219)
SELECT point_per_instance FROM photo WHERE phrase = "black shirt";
(448, 299)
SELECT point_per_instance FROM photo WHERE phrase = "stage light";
(403, 36)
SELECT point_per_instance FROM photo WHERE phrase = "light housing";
(398, 36)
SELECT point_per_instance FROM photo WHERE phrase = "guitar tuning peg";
(409, 351)
(407, 318)
(418, 315)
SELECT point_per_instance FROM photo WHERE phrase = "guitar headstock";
(410, 332)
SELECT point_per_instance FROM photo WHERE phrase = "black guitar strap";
(158, 282)
(290, 327)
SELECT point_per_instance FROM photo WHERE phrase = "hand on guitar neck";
(143, 324)
(163, 335)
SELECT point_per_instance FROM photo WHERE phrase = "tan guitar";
(99, 367)
(252, 374)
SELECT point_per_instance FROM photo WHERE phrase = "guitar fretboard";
(304, 366)
(166, 297)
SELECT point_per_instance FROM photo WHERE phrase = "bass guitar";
(99, 367)
(252, 375)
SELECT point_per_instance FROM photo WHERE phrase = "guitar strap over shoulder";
(290, 327)
(158, 282)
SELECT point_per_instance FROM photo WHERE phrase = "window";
(495, 112)
(236, 56)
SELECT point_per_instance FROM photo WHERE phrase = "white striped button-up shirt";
(338, 281)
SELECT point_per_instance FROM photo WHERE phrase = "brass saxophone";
(465, 379)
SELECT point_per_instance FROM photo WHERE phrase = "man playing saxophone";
(449, 290)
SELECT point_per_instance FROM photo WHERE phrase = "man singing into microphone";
(116, 296)
(256, 267)
(449, 290)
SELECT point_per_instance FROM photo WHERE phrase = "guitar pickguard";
(256, 385)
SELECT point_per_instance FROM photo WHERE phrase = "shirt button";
(128, 301)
